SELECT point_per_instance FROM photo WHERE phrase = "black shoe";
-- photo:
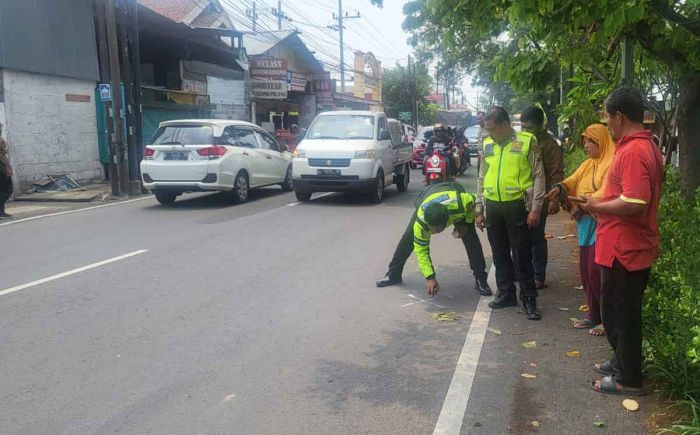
(5, 216)
(531, 310)
(389, 281)
(482, 287)
(504, 300)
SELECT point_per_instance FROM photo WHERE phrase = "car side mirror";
(384, 134)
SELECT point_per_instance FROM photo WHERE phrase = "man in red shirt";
(627, 238)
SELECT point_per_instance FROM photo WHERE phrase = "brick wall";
(46, 133)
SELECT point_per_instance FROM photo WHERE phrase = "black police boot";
(531, 310)
(389, 280)
(482, 287)
(3, 215)
(504, 300)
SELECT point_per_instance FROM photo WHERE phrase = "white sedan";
(202, 155)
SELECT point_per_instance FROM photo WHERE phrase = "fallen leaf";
(568, 236)
(533, 365)
(528, 376)
(563, 309)
(495, 331)
(529, 344)
(583, 308)
(548, 236)
(573, 319)
(449, 316)
(630, 405)
(477, 424)
(535, 423)
(578, 288)
(598, 424)
(573, 354)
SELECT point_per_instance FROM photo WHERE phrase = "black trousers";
(506, 224)
(5, 191)
(622, 317)
(471, 244)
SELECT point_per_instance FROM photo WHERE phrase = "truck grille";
(329, 163)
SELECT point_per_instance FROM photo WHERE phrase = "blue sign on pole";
(105, 91)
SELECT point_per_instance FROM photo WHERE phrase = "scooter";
(435, 169)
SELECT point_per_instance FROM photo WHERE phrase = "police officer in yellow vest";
(510, 195)
(438, 207)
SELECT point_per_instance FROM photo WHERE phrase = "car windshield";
(472, 132)
(342, 127)
(183, 135)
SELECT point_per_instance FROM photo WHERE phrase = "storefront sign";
(435, 98)
(268, 68)
(297, 82)
(269, 89)
(323, 88)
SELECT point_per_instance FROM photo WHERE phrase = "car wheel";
(377, 194)
(165, 197)
(241, 188)
(403, 179)
(302, 195)
(288, 184)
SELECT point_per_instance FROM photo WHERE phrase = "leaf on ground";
(535, 423)
(477, 424)
(446, 316)
(573, 319)
(529, 344)
(528, 376)
(495, 331)
(630, 405)
(573, 354)
(598, 424)
(583, 308)
(548, 236)
(563, 309)
(568, 236)
(533, 365)
(578, 288)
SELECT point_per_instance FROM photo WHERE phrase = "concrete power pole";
(340, 19)
(115, 75)
(253, 14)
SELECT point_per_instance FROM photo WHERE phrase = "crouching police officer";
(510, 194)
(438, 207)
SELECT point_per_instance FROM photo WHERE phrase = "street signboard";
(405, 116)
(268, 68)
(105, 91)
(269, 89)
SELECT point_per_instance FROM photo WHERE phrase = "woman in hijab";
(589, 179)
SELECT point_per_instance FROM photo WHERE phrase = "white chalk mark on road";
(292, 204)
(79, 210)
(71, 272)
(455, 405)
(421, 301)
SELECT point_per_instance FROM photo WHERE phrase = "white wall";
(47, 134)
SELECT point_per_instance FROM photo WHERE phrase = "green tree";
(398, 90)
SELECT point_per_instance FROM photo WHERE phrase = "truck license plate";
(328, 172)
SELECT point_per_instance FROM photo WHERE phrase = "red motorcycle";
(436, 170)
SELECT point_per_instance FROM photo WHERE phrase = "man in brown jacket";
(5, 177)
(532, 121)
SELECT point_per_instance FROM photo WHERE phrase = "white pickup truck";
(351, 151)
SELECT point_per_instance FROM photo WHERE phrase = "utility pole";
(279, 14)
(253, 14)
(340, 29)
(121, 155)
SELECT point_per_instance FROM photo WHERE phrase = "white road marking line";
(74, 211)
(71, 272)
(292, 204)
(421, 301)
(455, 405)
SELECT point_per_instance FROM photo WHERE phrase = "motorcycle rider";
(441, 140)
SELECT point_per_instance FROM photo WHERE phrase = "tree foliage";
(397, 90)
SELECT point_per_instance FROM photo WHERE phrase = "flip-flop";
(597, 330)
(605, 368)
(584, 324)
(609, 386)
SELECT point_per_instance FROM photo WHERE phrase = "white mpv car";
(202, 155)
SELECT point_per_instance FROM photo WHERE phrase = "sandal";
(585, 324)
(606, 368)
(597, 330)
(609, 386)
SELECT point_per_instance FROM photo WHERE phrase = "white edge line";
(74, 211)
(70, 272)
(455, 405)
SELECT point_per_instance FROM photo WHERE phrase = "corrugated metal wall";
(54, 37)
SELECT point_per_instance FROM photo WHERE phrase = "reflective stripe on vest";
(509, 174)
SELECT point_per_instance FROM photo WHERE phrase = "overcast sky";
(377, 30)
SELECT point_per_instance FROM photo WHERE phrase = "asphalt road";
(257, 318)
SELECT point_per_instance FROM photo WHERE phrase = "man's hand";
(533, 219)
(589, 204)
(432, 286)
(480, 221)
(553, 207)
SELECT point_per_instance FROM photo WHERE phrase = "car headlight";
(367, 154)
(299, 153)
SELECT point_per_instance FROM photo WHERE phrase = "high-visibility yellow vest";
(509, 174)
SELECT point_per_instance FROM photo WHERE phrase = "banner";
(268, 68)
(297, 82)
(269, 89)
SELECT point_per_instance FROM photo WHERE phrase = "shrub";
(573, 159)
